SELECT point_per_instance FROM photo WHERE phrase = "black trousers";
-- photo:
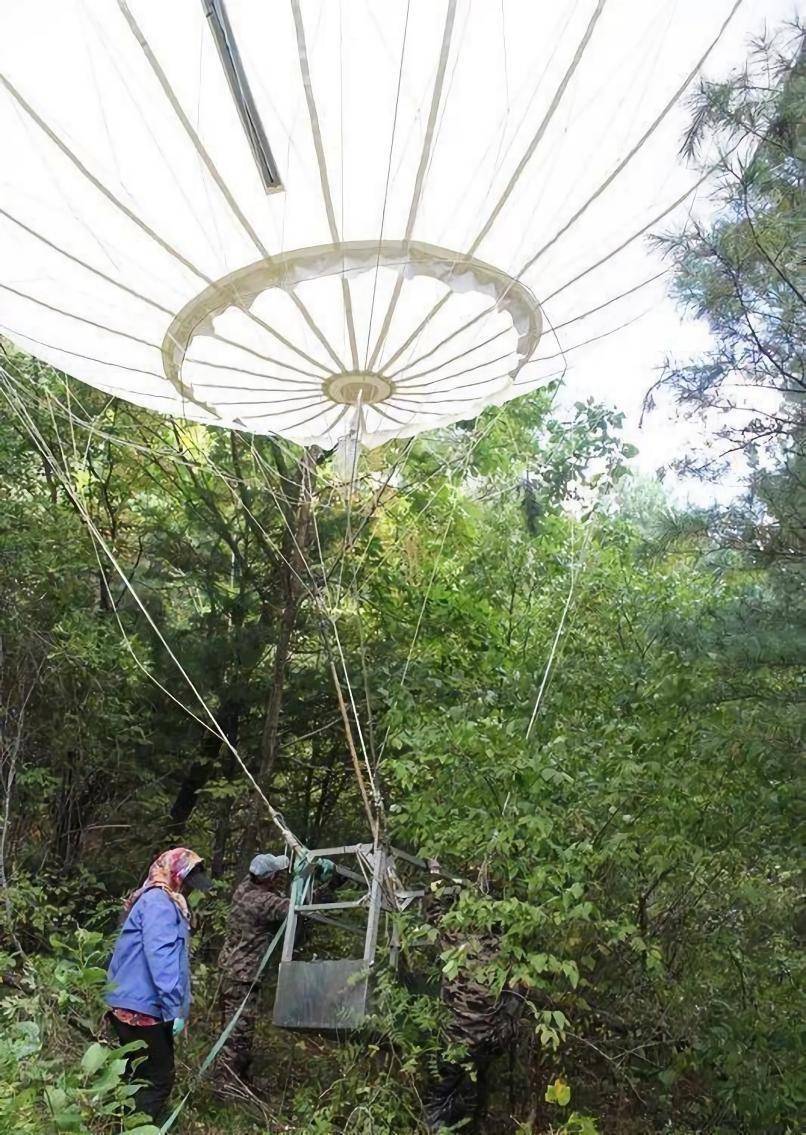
(155, 1067)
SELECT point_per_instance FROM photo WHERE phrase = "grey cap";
(264, 866)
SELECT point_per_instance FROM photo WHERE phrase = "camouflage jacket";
(254, 919)
(481, 1020)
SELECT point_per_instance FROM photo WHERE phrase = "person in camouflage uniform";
(259, 907)
(482, 1023)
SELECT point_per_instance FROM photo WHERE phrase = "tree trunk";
(294, 579)
(200, 771)
(223, 823)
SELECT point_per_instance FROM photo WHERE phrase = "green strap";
(225, 1035)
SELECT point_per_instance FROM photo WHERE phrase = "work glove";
(300, 866)
(178, 1026)
(325, 869)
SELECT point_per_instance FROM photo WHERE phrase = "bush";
(51, 1078)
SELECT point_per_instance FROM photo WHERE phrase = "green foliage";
(619, 785)
(632, 852)
(50, 1078)
(742, 272)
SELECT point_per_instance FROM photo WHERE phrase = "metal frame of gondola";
(334, 995)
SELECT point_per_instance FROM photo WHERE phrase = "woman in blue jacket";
(149, 975)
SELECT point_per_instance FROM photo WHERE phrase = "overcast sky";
(622, 368)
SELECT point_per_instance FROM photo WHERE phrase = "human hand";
(179, 1026)
(325, 869)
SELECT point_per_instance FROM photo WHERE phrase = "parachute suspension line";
(96, 182)
(628, 157)
(563, 352)
(464, 467)
(349, 543)
(375, 823)
(316, 136)
(375, 814)
(419, 180)
(19, 409)
(453, 359)
(186, 393)
(416, 334)
(578, 565)
(507, 192)
(582, 343)
(388, 177)
(209, 163)
(315, 596)
(103, 572)
(542, 128)
(164, 244)
(603, 186)
(615, 299)
(421, 484)
(311, 588)
(326, 617)
(573, 319)
(376, 820)
(345, 463)
(362, 649)
(493, 307)
(238, 500)
(552, 652)
(505, 59)
(153, 304)
(489, 310)
(83, 264)
(372, 817)
(398, 465)
(314, 587)
(636, 235)
(147, 119)
(74, 420)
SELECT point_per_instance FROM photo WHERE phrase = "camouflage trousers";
(485, 1026)
(236, 1055)
(458, 1094)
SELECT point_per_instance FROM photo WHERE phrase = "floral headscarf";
(168, 872)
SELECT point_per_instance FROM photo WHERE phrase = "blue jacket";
(150, 967)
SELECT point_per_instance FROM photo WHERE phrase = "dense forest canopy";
(584, 699)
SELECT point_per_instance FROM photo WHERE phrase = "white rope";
(378, 802)
(552, 652)
(313, 593)
(628, 157)
(102, 571)
(465, 465)
(41, 444)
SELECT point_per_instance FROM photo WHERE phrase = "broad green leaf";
(95, 1057)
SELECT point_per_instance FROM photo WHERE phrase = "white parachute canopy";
(336, 218)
